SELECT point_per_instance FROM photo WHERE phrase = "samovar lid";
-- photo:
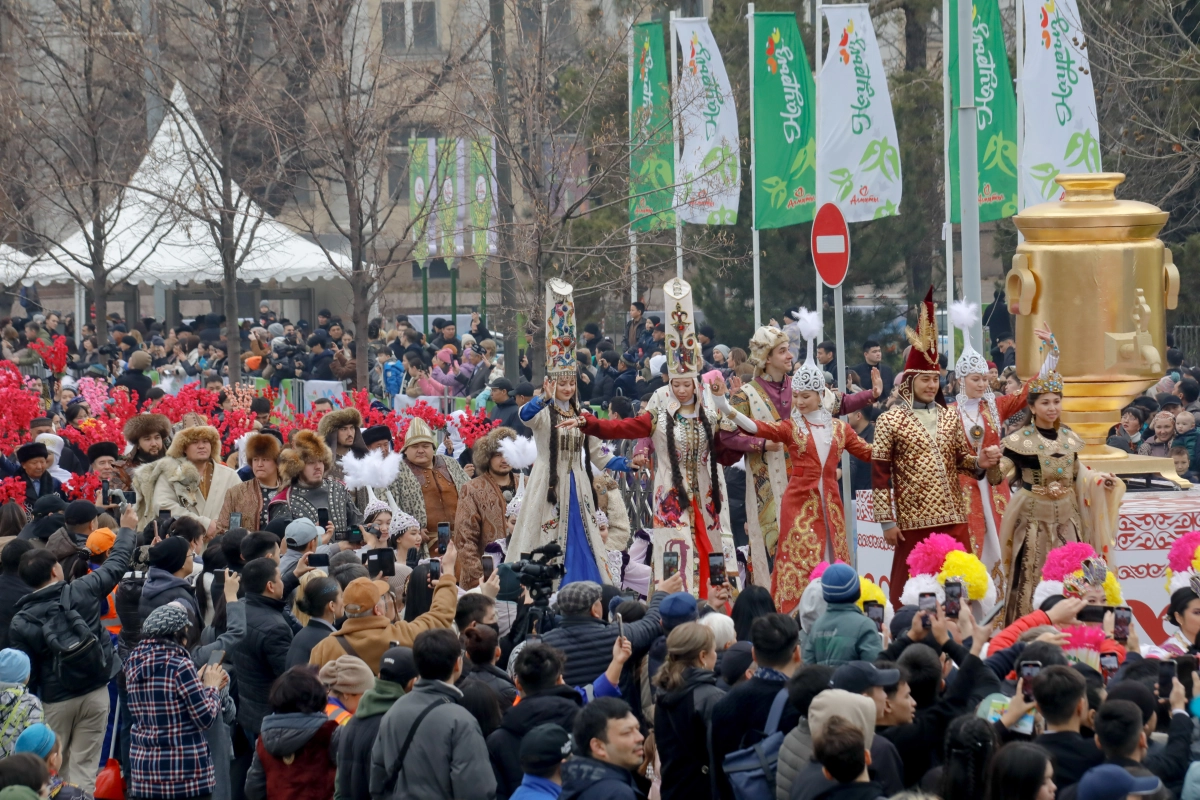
(1090, 211)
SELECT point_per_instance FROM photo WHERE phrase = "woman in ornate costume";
(812, 520)
(1060, 499)
(982, 414)
(561, 479)
(682, 424)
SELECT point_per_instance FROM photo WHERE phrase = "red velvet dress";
(811, 511)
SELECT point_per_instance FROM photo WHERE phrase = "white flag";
(709, 169)
(1062, 133)
(858, 152)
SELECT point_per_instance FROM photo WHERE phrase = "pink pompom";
(1084, 637)
(929, 554)
(1183, 551)
(819, 570)
(1062, 561)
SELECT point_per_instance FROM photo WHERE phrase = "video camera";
(537, 574)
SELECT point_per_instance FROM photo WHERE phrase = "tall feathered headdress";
(809, 377)
(372, 471)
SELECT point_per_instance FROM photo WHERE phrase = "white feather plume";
(1044, 591)
(241, 448)
(373, 470)
(520, 452)
(917, 585)
(809, 323)
(963, 315)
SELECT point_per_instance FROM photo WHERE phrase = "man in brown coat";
(479, 518)
(367, 633)
(251, 497)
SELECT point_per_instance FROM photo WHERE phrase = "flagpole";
(947, 226)
(754, 183)
(675, 141)
(1020, 52)
(820, 306)
(968, 167)
(633, 259)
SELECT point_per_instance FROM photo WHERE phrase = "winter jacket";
(795, 752)
(589, 779)
(447, 758)
(319, 366)
(41, 529)
(587, 643)
(312, 634)
(138, 383)
(535, 788)
(88, 596)
(161, 588)
(510, 416)
(841, 791)
(1036, 619)
(294, 758)
(603, 385)
(358, 737)
(842, 634)
(71, 551)
(559, 704)
(260, 657)
(493, 677)
(12, 589)
(171, 709)
(625, 384)
(19, 708)
(744, 710)
(682, 719)
(245, 498)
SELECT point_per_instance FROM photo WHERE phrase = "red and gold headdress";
(923, 357)
(561, 340)
(683, 350)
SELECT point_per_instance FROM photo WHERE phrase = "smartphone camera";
(874, 613)
(716, 569)
(670, 565)
(1029, 671)
(1122, 621)
(927, 606)
(953, 599)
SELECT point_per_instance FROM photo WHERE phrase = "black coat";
(744, 711)
(47, 484)
(1073, 756)
(43, 528)
(260, 657)
(589, 779)
(510, 416)
(681, 721)
(12, 589)
(88, 596)
(493, 677)
(312, 634)
(559, 705)
(161, 588)
(137, 382)
(318, 366)
(357, 738)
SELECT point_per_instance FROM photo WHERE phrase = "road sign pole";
(754, 183)
(847, 489)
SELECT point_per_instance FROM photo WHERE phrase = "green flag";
(482, 204)
(996, 107)
(448, 206)
(652, 161)
(422, 170)
(785, 145)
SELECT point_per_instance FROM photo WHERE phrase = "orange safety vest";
(110, 620)
(337, 713)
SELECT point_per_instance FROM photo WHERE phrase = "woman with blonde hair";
(687, 692)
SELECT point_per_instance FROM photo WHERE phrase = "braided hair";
(552, 484)
(673, 458)
(970, 744)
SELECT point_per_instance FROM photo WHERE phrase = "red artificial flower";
(473, 427)
(22, 405)
(12, 489)
(54, 354)
(236, 424)
(191, 399)
(83, 487)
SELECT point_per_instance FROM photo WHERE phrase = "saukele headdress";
(561, 339)
(683, 350)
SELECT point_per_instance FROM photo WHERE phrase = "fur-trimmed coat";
(176, 484)
(406, 489)
(246, 498)
(478, 521)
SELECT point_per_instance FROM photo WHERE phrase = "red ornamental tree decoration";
(12, 489)
(473, 427)
(236, 424)
(398, 421)
(361, 400)
(54, 354)
(83, 487)
(191, 399)
(22, 405)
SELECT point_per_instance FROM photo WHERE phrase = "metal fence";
(1187, 340)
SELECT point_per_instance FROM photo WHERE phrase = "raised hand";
(876, 383)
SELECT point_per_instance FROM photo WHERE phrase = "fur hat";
(338, 419)
(191, 419)
(488, 446)
(307, 446)
(143, 425)
(188, 436)
(764, 342)
(262, 445)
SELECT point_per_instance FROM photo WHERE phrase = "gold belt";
(1055, 490)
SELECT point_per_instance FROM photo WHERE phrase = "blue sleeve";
(530, 409)
(619, 464)
(602, 687)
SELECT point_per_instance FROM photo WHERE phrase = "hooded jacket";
(682, 718)
(41, 528)
(294, 758)
(493, 677)
(559, 704)
(160, 588)
(589, 779)
(357, 738)
(842, 634)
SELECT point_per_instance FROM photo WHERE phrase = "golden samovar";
(1093, 268)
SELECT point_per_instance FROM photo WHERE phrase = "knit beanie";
(170, 554)
(839, 584)
(14, 666)
(37, 739)
(347, 675)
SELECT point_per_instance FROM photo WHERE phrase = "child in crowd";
(19, 707)
(1186, 436)
(1183, 463)
(42, 742)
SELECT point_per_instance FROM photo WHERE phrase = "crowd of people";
(207, 594)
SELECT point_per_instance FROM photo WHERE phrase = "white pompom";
(963, 315)
(809, 324)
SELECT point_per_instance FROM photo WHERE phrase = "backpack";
(393, 377)
(751, 770)
(76, 654)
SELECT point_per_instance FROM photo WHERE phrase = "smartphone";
(953, 599)
(1092, 613)
(354, 536)
(1166, 677)
(412, 558)
(874, 613)
(443, 536)
(670, 565)
(1184, 667)
(1108, 663)
(104, 493)
(1029, 671)
(621, 625)
(322, 517)
(318, 560)
(1122, 620)
(381, 561)
(130, 498)
(435, 569)
(927, 604)
(216, 657)
(164, 519)
(489, 565)
(235, 519)
(716, 569)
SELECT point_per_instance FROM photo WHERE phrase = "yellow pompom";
(1112, 590)
(868, 592)
(1196, 561)
(960, 564)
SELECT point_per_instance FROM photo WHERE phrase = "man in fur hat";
(34, 460)
(252, 498)
(308, 487)
(341, 430)
(103, 456)
(150, 435)
(191, 481)
(428, 484)
(479, 518)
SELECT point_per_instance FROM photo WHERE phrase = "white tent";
(156, 237)
(14, 265)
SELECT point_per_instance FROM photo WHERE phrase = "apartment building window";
(409, 25)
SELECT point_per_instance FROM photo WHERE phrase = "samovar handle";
(1020, 287)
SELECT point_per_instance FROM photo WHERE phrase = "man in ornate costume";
(341, 430)
(479, 520)
(690, 516)
(919, 450)
(768, 398)
(428, 484)
(559, 503)
(304, 471)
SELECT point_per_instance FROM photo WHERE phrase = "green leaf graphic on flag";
(1001, 154)
(881, 156)
(777, 189)
(1085, 149)
(842, 178)
(888, 209)
(1045, 174)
